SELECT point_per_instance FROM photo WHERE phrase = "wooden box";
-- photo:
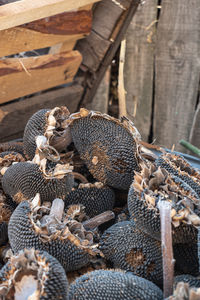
(27, 25)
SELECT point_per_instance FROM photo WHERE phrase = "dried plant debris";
(108, 147)
(191, 280)
(186, 258)
(96, 198)
(13, 147)
(184, 292)
(23, 180)
(33, 274)
(155, 184)
(113, 284)
(177, 165)
(7, 158)
(32, 225)
(50, 124)
(130, 249)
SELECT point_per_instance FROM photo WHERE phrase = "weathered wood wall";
(163, 70)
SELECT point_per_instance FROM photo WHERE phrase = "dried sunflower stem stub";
(99, 219)
(167, 250)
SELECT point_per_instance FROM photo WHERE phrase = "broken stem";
(190, 147)
(79, 177)
(98, 220)
(167, 250)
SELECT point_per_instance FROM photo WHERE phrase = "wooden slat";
(14, 116)
(94, 79)
(93, 49)
(177, 71)
(139, 67)
(62, 47)
(195, 130)
(24, 11)
(19, 77)
(46, 32)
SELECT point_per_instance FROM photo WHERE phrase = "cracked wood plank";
(23, 76)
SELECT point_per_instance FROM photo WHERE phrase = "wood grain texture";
(46, 32)
(25, 11)
(19, 112)
(139, 66)
(93, 49)
(20, 77)
(92, 80)
(194, 138)
(177, 71)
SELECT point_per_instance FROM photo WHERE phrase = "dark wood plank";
(195, 129)
(93, 49)
(109, 12)
(93, 80)
(139, 66)
(177, 71)
(14, 116)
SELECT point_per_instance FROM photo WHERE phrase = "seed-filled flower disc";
(178, 166)
(130, 249)
(96, 198)
(61, 235)
(113, 285)
(49, 123)
(108, 147)
(23, 180)
(154, 184)
(33, 274)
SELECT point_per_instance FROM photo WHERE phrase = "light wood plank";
(19, 112)
(177, 71)
(46, 32)
(24, 11)
(20, 77)
(139, 66)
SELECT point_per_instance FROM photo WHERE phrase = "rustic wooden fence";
(162, 71)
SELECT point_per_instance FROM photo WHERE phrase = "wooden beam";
(14, 116)
(24, 76)
(46, 32)
(25, 11)
(177, 71)
(139, 66)
(93, 80)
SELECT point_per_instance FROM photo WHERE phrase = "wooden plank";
(93, 49)
(109, 19)
(177, 71)
(20, 77)
(25, 11)
(62, 47)
(100, 100)
(14, 116)
(194, 138)
(93, 80)
(139, 66)
(46, 32)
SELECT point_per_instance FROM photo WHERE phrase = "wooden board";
(139, 67)
(195, 130)
(25, 11)
(108, 49)
(14, 116)
(46, 32)
(20, 77)
(177, 71)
